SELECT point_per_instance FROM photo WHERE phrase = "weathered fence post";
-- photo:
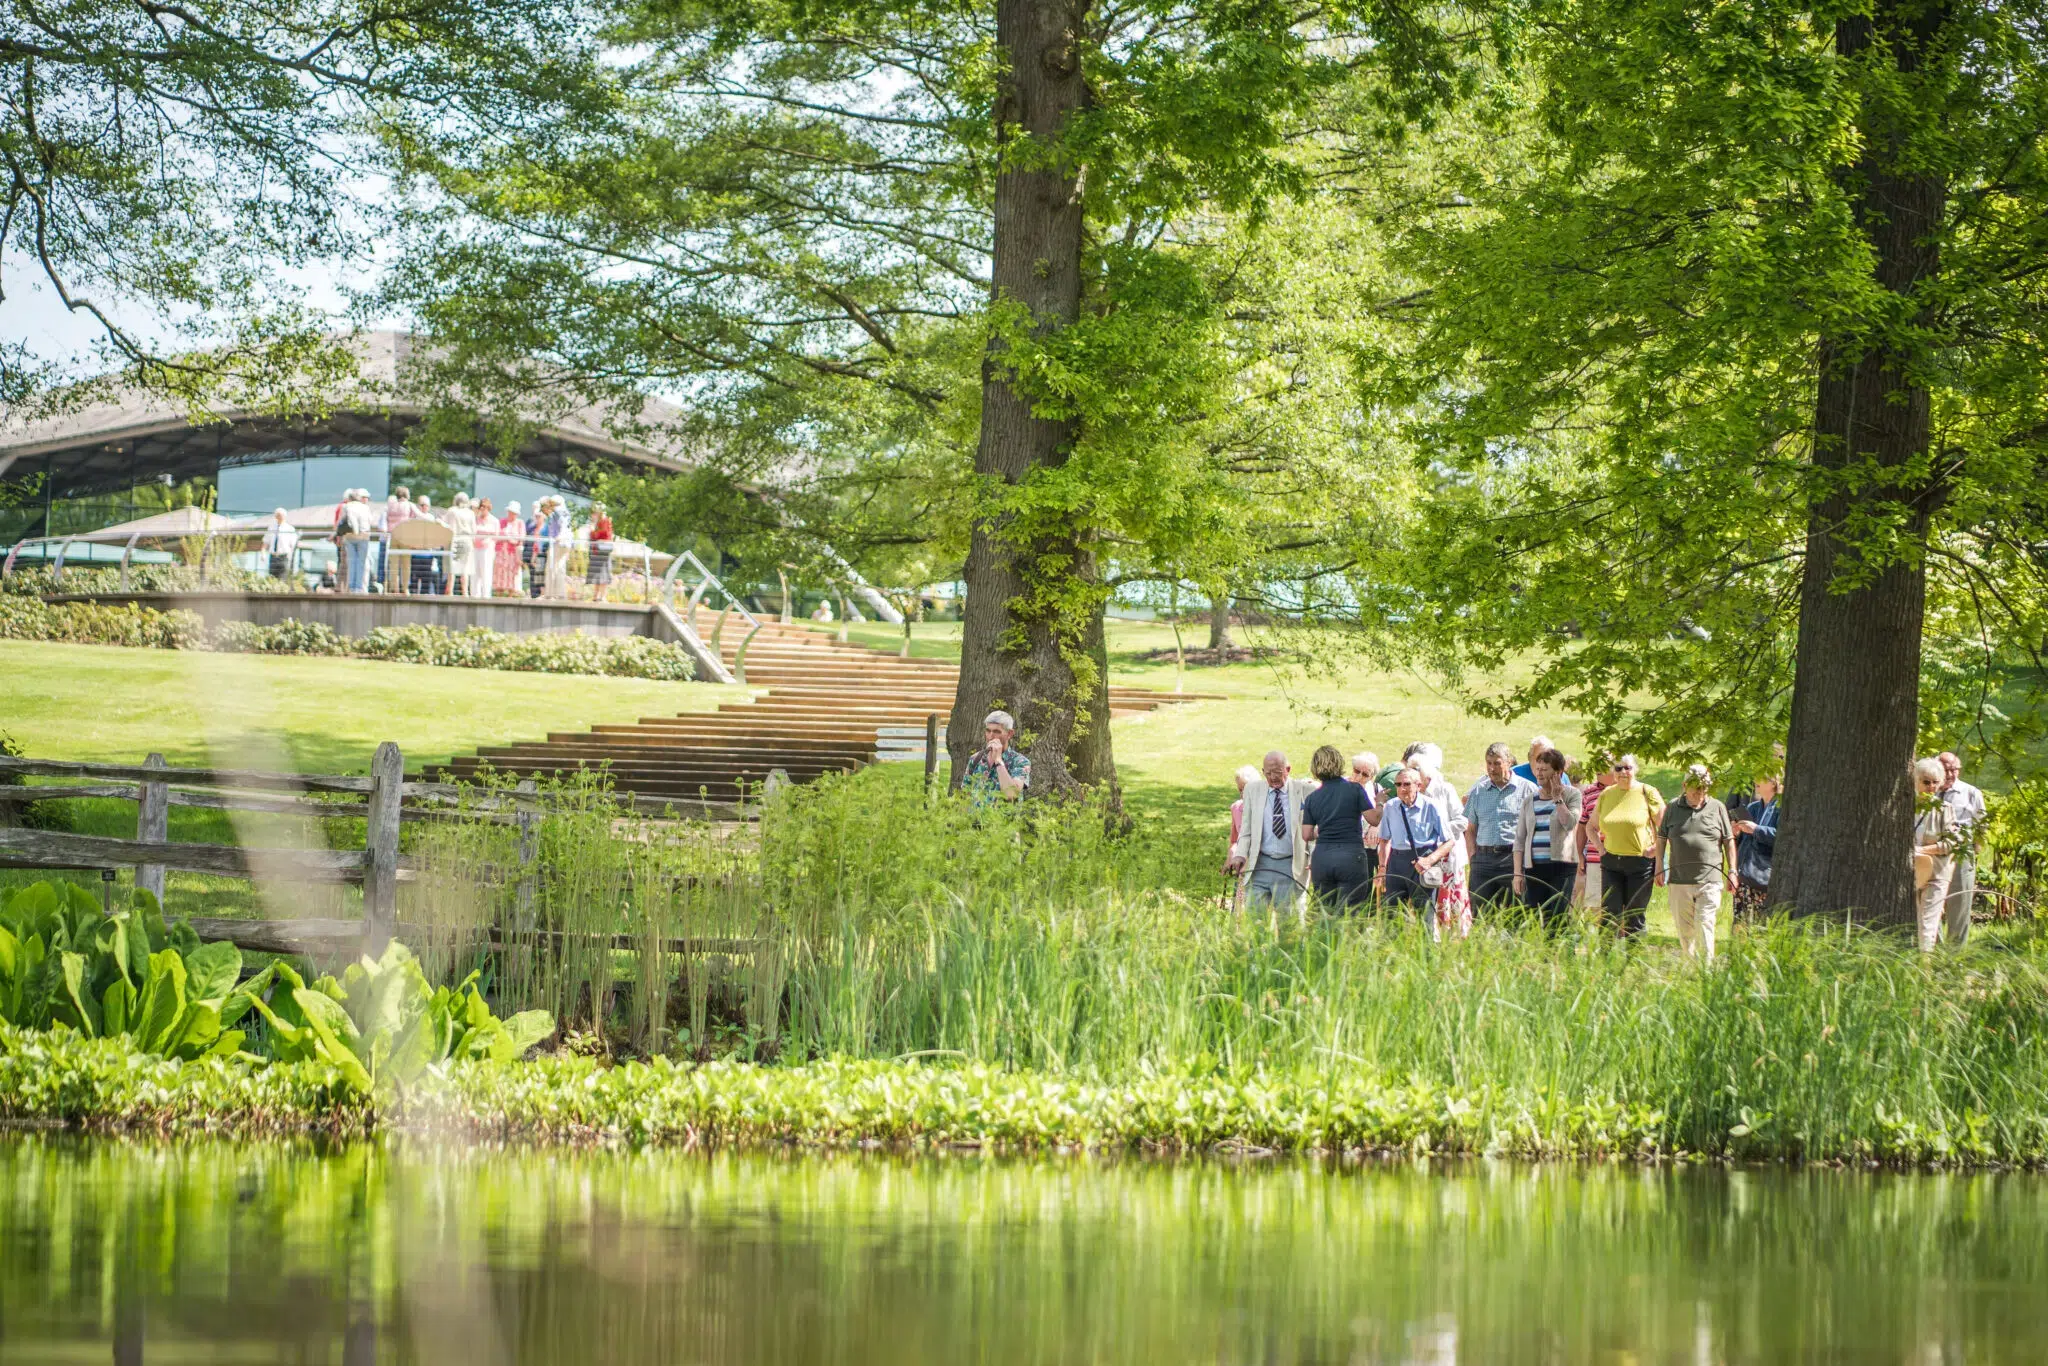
(152, 826)
(380, 873)
(931, 752)
(528, 819)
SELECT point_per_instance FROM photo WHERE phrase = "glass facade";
(302, 479)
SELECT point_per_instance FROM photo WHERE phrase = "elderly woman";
(1626, 818)
(1333, 820)
(505, 565)
(1935, 839)
(1454, 897)
(484, 557)
(1246, 775)
(1546, 842)
(598, 573)
(1694, 856)
(1756, 838)
(1365, 769)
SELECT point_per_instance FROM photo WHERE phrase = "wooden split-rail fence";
(385, 799)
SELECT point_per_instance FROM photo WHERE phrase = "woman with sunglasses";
(1626, 816)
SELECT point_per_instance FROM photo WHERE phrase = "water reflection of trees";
(283, 1251)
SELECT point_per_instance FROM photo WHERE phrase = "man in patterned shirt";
(996, 770)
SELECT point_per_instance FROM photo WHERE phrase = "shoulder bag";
(1433, 875)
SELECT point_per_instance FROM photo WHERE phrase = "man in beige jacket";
(1270, 857)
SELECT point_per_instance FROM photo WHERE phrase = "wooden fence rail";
(383, 800)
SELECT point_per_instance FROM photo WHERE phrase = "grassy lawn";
(105, 704)
(306, 714)
(311, 714)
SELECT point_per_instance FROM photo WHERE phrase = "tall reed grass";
(865, 923)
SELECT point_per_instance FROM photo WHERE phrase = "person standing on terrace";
(997, 771)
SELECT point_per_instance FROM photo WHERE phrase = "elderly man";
(1537, 747)
(1966, 808)
(997, 770)
(1270, 857)
(1416, 839)
(1493, 812)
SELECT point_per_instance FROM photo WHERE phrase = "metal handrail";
(739, 659)
(706, 580)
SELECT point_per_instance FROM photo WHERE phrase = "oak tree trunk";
(1031, 637)
(1849, 798)
(1219, 622)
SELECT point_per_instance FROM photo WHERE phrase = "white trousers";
(1695, 906)
(1931, 904)
(1591, 897)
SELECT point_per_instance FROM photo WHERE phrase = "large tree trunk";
(1031, 640)
(1856, 686)
(1219, 621)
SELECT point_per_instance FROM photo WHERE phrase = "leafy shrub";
(288, 637)
(94, 623)
(63, 962)
(98, 623)
(477, 648)
(145, 578)
(382, 1023)
(28, 815)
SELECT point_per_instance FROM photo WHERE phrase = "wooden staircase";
(823, 703)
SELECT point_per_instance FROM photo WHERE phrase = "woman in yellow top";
(1627, 815)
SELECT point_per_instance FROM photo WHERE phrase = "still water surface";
(222, 1253)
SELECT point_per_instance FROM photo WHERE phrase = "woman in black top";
(1333, 818)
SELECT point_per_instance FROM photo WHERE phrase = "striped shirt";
(1539, 840)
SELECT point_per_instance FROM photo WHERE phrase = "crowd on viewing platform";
(468, 549)
(1543, 836)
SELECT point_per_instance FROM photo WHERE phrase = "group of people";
(488, 555)
(1534, 836)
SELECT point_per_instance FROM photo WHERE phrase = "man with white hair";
(997, 770)
(1537, 748)
(1270, 857)
(1966, 808)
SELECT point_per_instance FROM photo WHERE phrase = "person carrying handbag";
(1416, 845)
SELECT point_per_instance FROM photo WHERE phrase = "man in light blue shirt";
(1414, 834)
(1492, 809)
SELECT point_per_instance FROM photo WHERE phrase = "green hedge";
(99, 623)
(90, 623)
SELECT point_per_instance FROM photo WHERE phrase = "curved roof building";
(260, 460)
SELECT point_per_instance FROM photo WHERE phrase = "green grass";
(308, 714)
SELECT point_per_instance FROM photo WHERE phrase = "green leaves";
(381, 1026)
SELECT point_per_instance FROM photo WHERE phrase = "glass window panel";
(329, 476)
(246, 490)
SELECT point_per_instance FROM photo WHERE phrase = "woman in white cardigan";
(1546, 852)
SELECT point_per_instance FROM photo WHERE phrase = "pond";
(220, 1252)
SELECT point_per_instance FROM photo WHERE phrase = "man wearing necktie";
(1270, 856)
